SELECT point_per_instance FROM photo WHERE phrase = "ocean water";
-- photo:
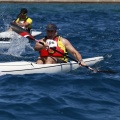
(94, 30)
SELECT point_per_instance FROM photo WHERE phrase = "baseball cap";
(23, 10)
(51, 26)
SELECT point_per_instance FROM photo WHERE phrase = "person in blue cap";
(53, 40)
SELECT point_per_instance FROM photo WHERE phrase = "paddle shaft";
(17, 17)
(69, 57)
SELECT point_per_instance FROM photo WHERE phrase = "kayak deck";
(24, 67)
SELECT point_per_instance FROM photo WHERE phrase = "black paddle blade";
(21, 31)
(17, 28)
(103, 71)
(107, 71)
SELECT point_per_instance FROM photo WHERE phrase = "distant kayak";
(24, 67)
(7, 36)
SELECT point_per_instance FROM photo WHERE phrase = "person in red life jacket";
(23, 20)
(54, 48)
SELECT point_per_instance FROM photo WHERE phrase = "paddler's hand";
(46, 45)
(43, 43)
(84, 65)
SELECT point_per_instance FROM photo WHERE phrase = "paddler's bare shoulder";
(65, 41)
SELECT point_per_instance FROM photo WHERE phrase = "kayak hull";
(24, 67)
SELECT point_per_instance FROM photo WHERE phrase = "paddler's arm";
(73, 51)
(24, 24)
(39, 45)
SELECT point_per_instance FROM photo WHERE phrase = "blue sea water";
(94, 30)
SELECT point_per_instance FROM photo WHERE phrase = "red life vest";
(49, 52)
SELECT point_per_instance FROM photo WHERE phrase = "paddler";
(54, 48)
(23, 20)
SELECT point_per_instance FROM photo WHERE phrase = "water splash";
(18, 46)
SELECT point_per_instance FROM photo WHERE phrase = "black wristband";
(79, 62)
(41, 43)
(87, 66)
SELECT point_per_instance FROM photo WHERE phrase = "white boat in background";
(24, 67)
(35, 33)
(7, 37)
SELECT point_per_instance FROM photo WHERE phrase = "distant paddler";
(23, 20)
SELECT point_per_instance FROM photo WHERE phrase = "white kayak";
(7, 35)
(24, 67)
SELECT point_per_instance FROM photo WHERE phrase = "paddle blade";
(21, 31)
(104, 71)
(107, 71)
(17, 28)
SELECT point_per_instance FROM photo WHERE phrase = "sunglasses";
(51, 30)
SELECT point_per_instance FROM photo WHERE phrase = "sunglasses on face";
(51, 31)
(22, 14)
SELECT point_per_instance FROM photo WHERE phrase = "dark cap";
(23, 10)
(51, 26)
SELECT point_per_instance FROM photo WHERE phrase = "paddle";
(26, 34)
(18, 16)
(21, 31)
